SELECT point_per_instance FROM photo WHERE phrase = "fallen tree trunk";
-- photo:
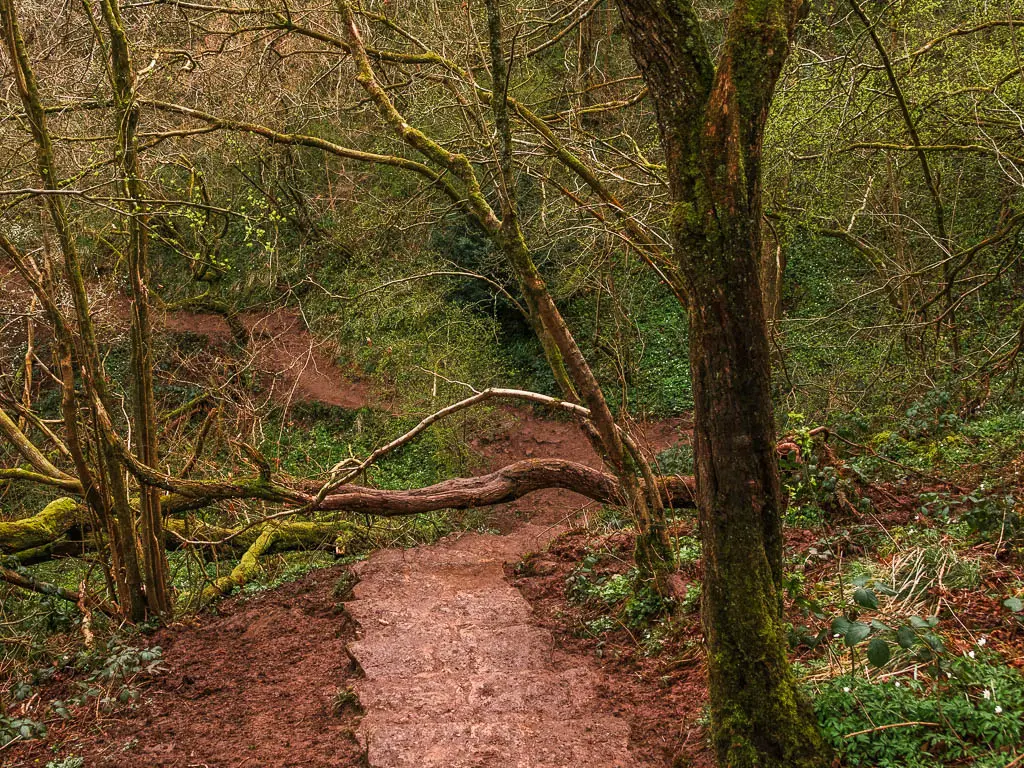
(56, 519)
(501, 486)
(42, 537)
(341, 537)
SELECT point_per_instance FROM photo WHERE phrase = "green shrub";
(622, 595)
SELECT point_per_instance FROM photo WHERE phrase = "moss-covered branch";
(41, 529)
(278, 536)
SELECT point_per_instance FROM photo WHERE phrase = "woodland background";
(314, 296)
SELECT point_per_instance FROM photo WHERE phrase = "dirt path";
(457, 674)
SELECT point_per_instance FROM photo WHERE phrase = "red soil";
(251, 685)
(293, 365)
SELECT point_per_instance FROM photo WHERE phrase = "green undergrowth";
(109, 676)
(932, 437)
(613, 602)
(970, 713)
(312, 439)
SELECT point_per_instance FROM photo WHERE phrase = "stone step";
(564, 695)
(511, 742)
(488, 605)
(467, 649)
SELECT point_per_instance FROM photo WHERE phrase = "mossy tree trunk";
(155, 572)
(712, 117)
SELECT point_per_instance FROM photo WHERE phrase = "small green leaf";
(1015, 604)
(906, 637)
(840, 625)
(865, 598)
(878, 652)
(856, 633)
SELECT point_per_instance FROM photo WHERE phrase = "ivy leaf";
(858, 631)
(906, 637)
(878, 652)
(840, 625)
(865, 598)
(1015, 604)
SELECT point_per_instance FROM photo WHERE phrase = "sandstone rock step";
(513, 742)
(565, 695)
(457, 674)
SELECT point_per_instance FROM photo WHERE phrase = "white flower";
(836, 635)
(981, 641)
(987, 693)
(846, 689)
(897, 683)
(999, 710)
(971, 654)
(949, 675)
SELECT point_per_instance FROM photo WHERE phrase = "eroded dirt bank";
(256, 685)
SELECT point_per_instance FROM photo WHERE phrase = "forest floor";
(450, 663)
(516, 648)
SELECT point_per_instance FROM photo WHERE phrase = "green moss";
(41, 529)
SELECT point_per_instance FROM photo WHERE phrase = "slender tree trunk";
(653, 549)
(83, 347)
(155, 570)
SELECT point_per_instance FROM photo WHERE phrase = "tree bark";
(155, 572)
(712, 121)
